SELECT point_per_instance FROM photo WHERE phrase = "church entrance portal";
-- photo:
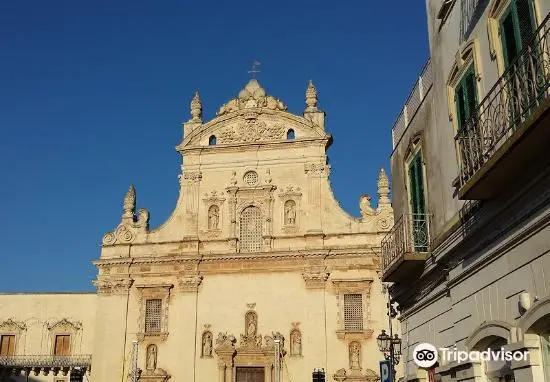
(250, 374)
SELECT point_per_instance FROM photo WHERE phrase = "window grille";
(353, 312)
(251, 230)
(153, 313)
(251, 178)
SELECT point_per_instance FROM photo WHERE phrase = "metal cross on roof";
(255, 68)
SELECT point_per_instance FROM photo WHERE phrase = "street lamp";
(390, 344)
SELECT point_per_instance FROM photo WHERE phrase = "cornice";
(270, 145)
(183, 259)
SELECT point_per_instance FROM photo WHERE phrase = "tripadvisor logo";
(426, 355)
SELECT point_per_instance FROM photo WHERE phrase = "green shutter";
(517, 28)
(525, 21)
(466, 97)
(471, 93)
(416, 179)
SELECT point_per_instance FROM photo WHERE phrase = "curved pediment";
(251, 117)
(251, 126)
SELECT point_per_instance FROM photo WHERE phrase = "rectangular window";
(62, 344)
(153, 314)
(353, 312)
(516, 29)
(466, 97)
(7, 345)
(418, 223)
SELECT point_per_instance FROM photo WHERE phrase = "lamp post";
(390, 345)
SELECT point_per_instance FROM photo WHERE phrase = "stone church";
(258, 274)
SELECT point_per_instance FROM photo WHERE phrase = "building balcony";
(406, 247)
(44, 364)
(506, 141)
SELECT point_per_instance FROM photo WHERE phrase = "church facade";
(257, 260)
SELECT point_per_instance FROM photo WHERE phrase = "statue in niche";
(251, 324)
(295, 343)
(213, 217)
(151, 363)
(354, 356)
(290, 212)
(207, 344)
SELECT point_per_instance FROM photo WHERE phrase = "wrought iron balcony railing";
(409, 235)
(510, 102)
(46, 361)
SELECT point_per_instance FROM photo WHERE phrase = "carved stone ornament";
(252, 96)
(295, 342)
(151, 357)
(157, 375)
(206, 344)
(191, 177)
(311, 97)
(189, 283)
(131, 224)
(64, 325)
(251, 130)
(368, 375)
(11, 326)
(317, 169)
(113, 286)
(196, 108)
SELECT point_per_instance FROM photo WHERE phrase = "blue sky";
(92, 95)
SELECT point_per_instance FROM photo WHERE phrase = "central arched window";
(251, 230)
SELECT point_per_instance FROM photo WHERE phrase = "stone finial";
(311, 97)
(383, 188)
(129, 205)
(196, 108)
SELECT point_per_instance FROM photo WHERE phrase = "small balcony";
(506, 141)
(44, 364)
(406, 247)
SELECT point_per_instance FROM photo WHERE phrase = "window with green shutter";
(517, 26)
(418, 221)
(466, 97)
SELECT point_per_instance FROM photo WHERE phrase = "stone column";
(532, 369)
(268, 373)
(221, 374)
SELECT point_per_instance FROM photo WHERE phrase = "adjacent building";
(257, 274)
(469, 254)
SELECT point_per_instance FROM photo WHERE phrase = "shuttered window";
(516, 28)
(62, 344)
(418, 224)
(153, 314)
(416, 185)
(7, 345)
(353, 312)
(466, 97)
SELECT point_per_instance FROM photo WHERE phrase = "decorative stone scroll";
(252, 96)
(131, 224)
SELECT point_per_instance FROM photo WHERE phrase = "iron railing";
(410, 234)
(510, 102)
(46, 361)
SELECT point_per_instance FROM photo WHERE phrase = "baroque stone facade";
(257, 252)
